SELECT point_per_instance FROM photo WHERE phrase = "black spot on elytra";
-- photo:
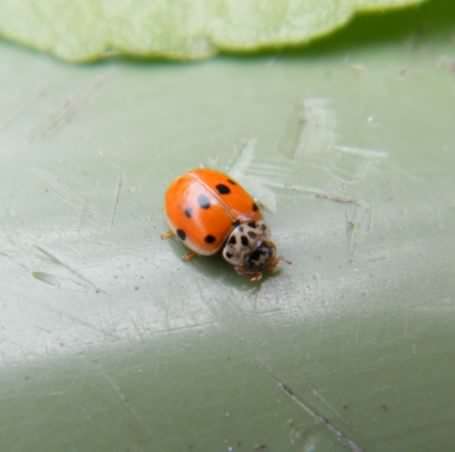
(233, 240)
(203, 201)
(181, 233)
(223, 189)
(188, 212)
(209, 238)
(255, 207)
(245, 241)
(232, 182)
(252, 234)
(252, 224)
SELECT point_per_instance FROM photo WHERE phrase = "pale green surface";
(83, 30)
(114, 344)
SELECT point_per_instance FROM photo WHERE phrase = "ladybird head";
(250, 250)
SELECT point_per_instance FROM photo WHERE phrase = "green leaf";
(84, 30)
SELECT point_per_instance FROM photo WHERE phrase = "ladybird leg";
(167, 235)
(188, 256)
(252, 276)
(260, 204)
(256, 277)
(273, 265)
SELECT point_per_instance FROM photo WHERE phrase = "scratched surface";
(108, 342)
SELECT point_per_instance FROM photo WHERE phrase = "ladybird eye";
(255, 255)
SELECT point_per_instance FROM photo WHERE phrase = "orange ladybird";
(211, 213)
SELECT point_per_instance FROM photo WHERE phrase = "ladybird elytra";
(210, 213)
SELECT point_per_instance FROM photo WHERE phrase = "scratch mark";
(206, 301)
(280, 169)
(318, 131)
(180, 329)
(34, 396)
(244, 160)
(14, 261)
(21, 109)
(45, 330)
(310, 129)
(82, 216)
(353, 224)
(73, 271)
(117, 199)
(350, 226)
(299, 401)
(139, 331)
(68, 110)
(341, 437)
(82, 322)
(294, 129)
(71, 198)
(362, 152)
(116, 389)
(54, 280)
(244, 169)
(318, 395)
(267, 312)
(316, 193)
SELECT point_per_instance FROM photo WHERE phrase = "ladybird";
(210, 213)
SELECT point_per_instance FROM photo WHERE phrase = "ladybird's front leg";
(252, 276)
(167, 235)
(260, 204)
(189, 256)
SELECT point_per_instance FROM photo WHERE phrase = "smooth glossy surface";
(109, 342)
(202, 214)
